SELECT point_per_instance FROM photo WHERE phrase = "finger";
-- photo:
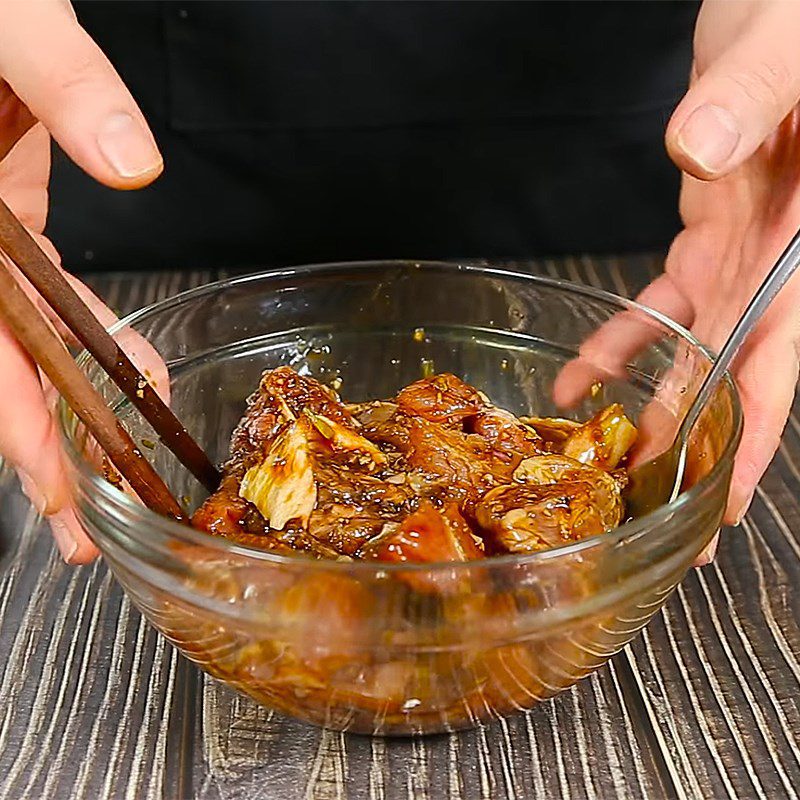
(24, 174)
(575, 380)
(29, 441)
(707, 556)
(657, 425)
(61, 75)
(741, 98)
(143, 355)
(15, 119)
(70, 538)
(27, 433)
(606, 354)
(766, 377)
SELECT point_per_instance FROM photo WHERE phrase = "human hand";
(55, 81)
(736, 136)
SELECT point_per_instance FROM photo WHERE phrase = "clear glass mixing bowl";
(373, 648)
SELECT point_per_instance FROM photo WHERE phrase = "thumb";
(61, 75)
(741, 98)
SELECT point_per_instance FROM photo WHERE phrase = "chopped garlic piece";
(550, 468)
(554, 468)
(602, 441)
(283, 406)
(343, 438)
(551, 429)
(282, 487)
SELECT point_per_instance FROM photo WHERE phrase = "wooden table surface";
(704, 704)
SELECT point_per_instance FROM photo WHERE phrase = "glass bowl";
(392, 649)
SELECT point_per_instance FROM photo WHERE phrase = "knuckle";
(78, 72)
(79, 64)
(770, 443)
(760, 444)
(769, 82)
(751, 468)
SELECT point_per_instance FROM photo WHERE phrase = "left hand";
(55, 81)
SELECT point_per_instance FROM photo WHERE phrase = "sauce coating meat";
(435, 474)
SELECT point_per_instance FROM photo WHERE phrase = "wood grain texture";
(93, 704)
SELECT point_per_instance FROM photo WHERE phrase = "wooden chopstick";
(49, 352)
(34, 264)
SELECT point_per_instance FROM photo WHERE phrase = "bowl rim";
(146, 519)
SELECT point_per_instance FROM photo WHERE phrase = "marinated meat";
(535, 515)
(441, 398)
(435, 474)
(603, 440)
(427, 535)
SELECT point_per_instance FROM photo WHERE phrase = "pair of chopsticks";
(49, 352)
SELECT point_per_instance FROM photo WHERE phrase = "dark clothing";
(310, 131)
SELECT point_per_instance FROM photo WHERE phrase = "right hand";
(55, 81)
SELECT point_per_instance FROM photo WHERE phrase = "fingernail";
(63, 525)
(707, 556)
(128, 146)
(31, 491)
(743, 509)
(709, 137)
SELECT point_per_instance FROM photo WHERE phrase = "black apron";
(316, 131)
